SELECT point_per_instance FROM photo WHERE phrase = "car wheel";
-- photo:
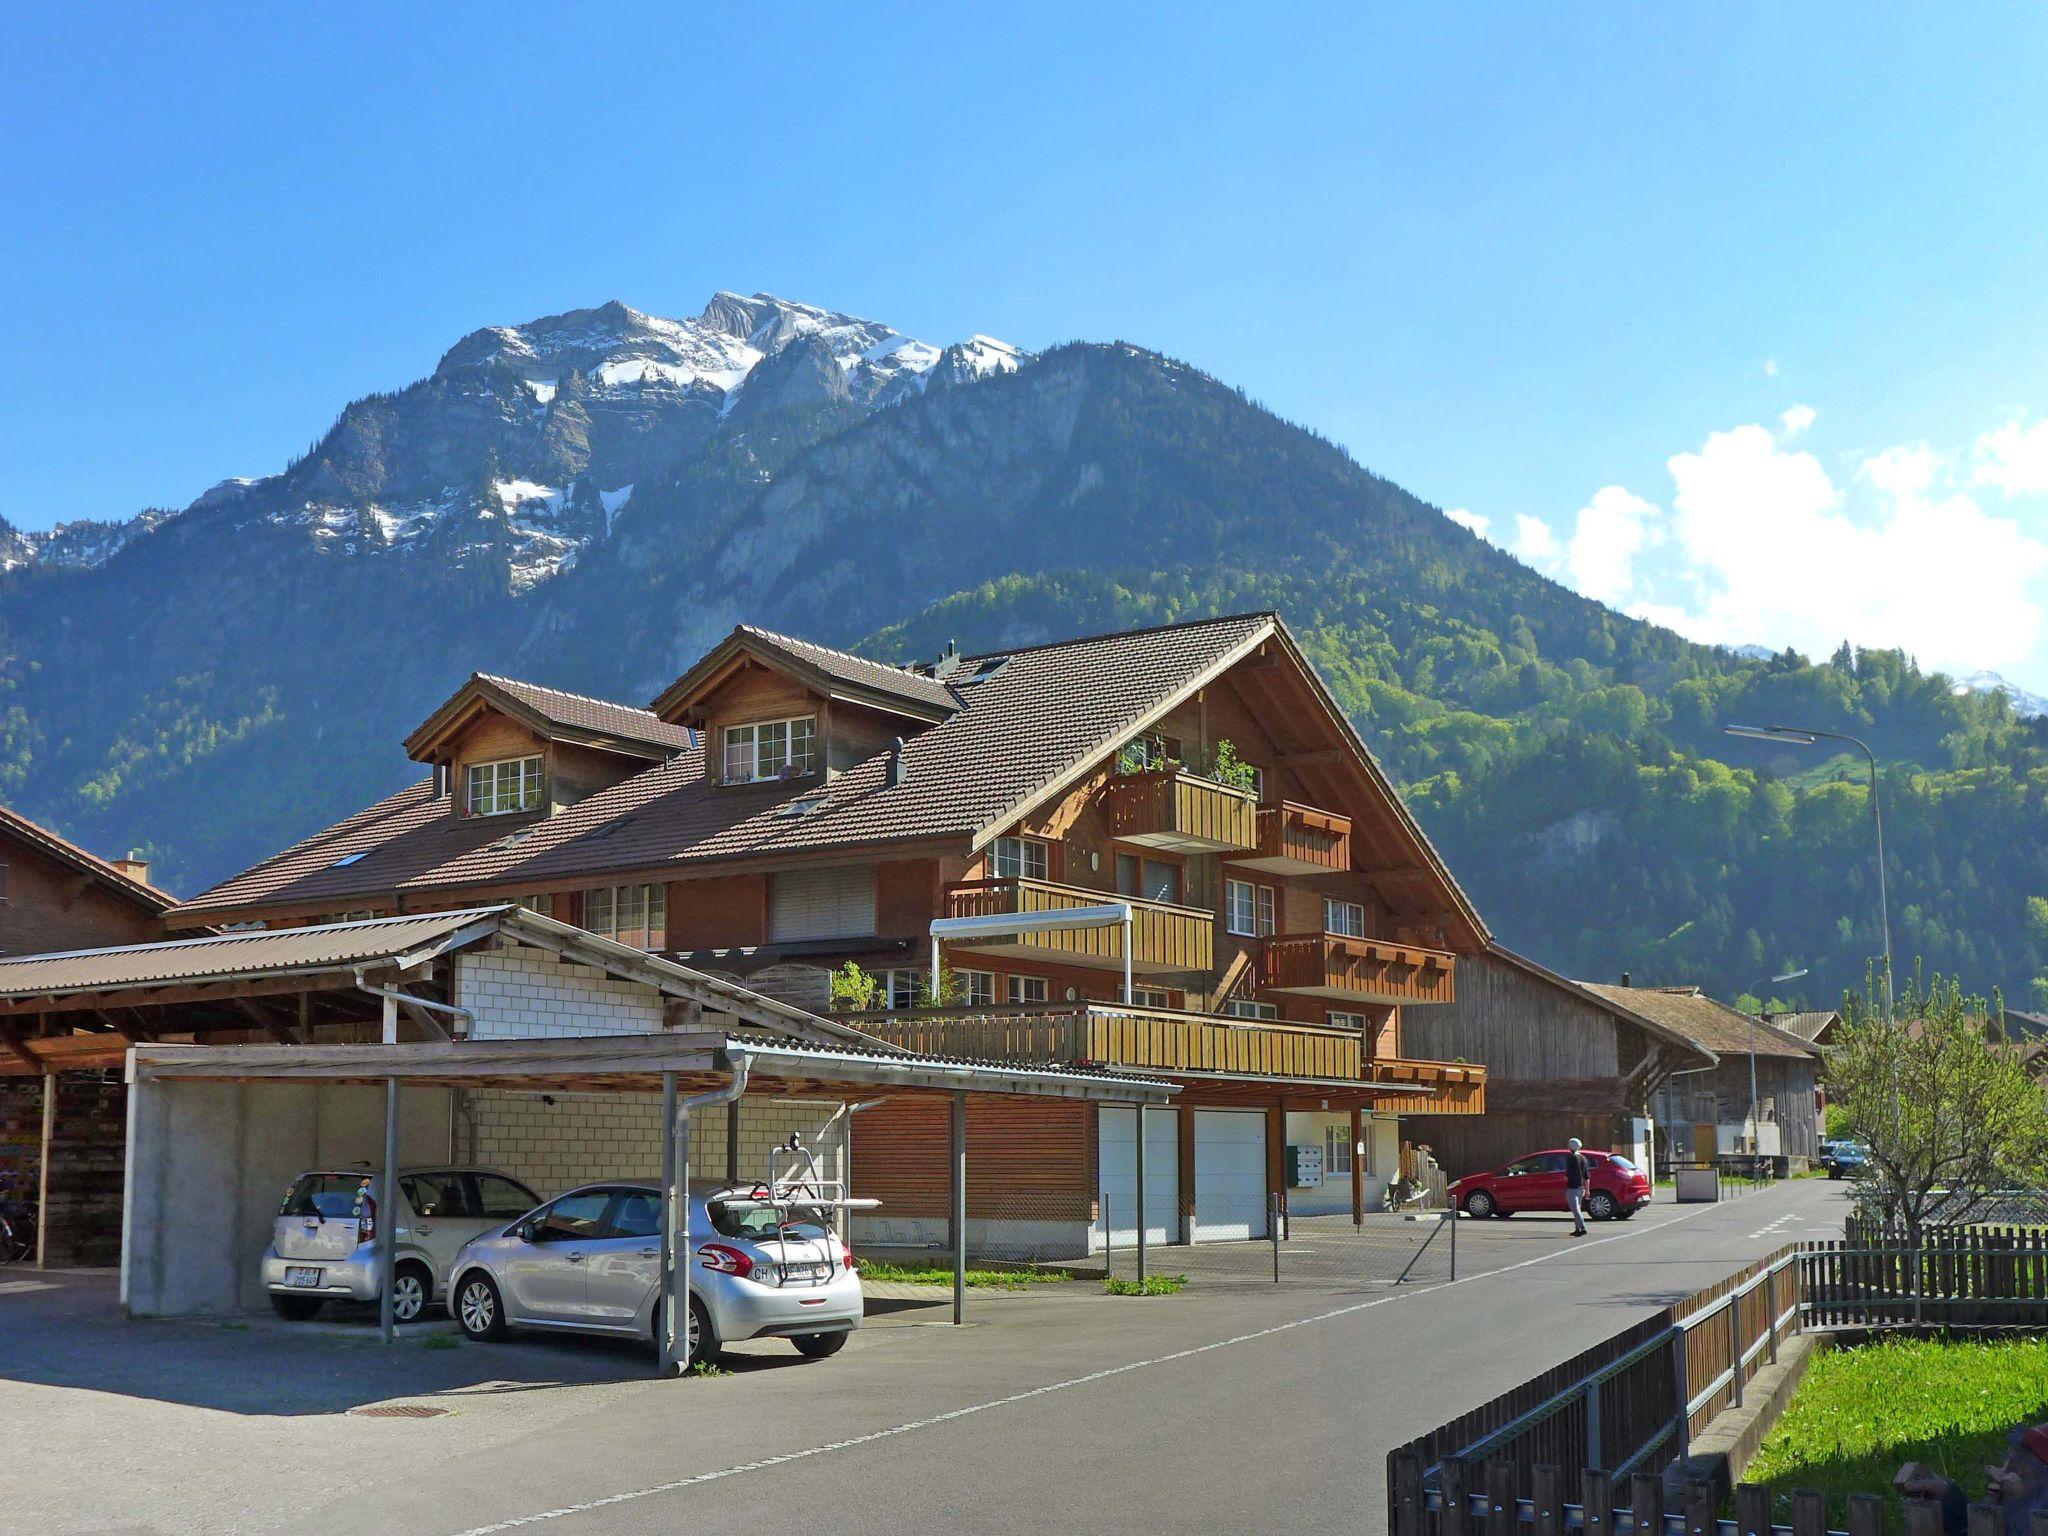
(479, 1308)
(294, 1309)
(1480, 1205)
(1601, 1206)
(410, 1293)
(819, 1346)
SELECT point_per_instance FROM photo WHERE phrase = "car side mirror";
(529, 1231)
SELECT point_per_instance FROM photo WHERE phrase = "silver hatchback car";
(324, 1245)
(589, 1261)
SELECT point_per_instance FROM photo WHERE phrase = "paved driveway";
(1235, 1409)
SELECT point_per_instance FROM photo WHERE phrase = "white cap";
(1573, 1143)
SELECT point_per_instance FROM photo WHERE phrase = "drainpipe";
(675, 1205)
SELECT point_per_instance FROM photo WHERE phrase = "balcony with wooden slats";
(1343, 969)
(1166, 939)
(1296, 839)
(1180, 812)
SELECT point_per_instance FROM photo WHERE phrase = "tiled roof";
(1053, 708)
(1807, 1025)
(600, 717)
(68, 853)
(1690, 1012)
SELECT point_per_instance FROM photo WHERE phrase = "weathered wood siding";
(1030, 1160)
(1518, 1024)
(85, 1124)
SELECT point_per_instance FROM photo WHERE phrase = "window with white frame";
(1237, 1009)
(543, 905)
(1345, 917)
(1258, 782)
(977, 988)
(1151, 997)
(1012, 858)
(1336, 1148)
(494, 789)
(1338, 1020)
(631, 914)
(1029, 989)
(905, 989)
(1248, 908)
(771, 749)
(1150, 879)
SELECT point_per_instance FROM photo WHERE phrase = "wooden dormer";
(815, 711)
(544, 749)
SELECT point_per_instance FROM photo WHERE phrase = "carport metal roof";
(636, 1063)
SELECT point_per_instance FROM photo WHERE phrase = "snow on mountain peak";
(2028, 706)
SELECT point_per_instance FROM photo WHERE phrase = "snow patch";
(611, 501)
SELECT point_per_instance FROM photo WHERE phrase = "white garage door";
(1230, 1174)
(1116, 1161)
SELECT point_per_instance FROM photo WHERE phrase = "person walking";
(1575, 1173)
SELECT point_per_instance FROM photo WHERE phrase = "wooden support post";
(1646, 1504)
(1986, 1518)
(1546, 1488)
(1454, 1482)
(1702, 1509)
(1866, 1514)
(1752, 1510)
(1410, 1510)
(1599, 1502)
(1810, 1513)
(1501, 1514)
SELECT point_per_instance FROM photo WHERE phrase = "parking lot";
(1266, 1407)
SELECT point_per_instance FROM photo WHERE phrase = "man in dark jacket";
(1575, 1175)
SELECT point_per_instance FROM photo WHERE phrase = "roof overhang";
(481, 694)
(632, 1063)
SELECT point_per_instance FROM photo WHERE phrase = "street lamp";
(1761, 1003)
(1804, 736)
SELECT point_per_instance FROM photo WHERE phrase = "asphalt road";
(1238, 1409)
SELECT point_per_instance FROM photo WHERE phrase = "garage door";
(1230, 1174)
(1116, 1162)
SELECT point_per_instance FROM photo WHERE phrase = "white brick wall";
(528, 993)
(584, 1137)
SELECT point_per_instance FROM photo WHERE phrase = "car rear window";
(1621, 1162)
(328, 1196)
(757, 1222)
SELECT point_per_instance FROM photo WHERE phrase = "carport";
(691, 1071)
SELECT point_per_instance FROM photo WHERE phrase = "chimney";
(135, 867)
(899, 771)
(948, 662)
(1624, 978)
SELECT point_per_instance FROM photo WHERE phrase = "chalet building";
(61, 1134)
(1563, 1059)
(1706, 1115)
(1163, 851)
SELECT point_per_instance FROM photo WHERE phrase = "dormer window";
(497, 789)
(771, 749)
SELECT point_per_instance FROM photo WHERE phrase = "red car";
(1615, 1187)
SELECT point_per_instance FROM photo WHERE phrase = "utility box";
(1304, 1167)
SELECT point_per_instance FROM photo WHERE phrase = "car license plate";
(301, 1276)
(806, 1274)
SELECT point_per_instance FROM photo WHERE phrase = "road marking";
(933, 1421)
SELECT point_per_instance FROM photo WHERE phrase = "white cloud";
(1613, 528)
(2014, 458)
(1770, 367)
(1534, 542)
(1464, 517)
(1796, 420)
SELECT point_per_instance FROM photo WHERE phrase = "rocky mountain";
(591, 499)
(2031, 706)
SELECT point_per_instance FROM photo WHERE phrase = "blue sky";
(1734, 318)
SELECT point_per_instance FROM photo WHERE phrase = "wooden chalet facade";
(61, 1133)
(783, 809)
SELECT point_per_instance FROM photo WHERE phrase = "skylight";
(349, 858)
(987, 668)
(802, 805)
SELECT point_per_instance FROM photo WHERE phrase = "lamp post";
(1805, 736)
(1761, 1003)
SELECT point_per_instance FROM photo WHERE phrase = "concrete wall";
(208, 1165)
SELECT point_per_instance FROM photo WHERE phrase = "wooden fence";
(1613, 1408)
(1958, 1277)
(1484, 1499)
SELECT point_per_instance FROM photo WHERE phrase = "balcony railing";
(1298, 839)
(1164, 808)
(1345, 969)
(1165, 939)
(1149, 1039)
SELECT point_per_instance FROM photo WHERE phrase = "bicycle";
(17, 1231)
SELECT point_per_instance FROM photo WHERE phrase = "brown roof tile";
(599, 717)
(68, 853)
(1690, 1012)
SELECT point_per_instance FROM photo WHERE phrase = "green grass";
(1151, 1285)
(1863, 1411)
(977, 1279)
(440, 1341)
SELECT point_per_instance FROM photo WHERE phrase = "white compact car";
(589, 1262)
(324, 1247)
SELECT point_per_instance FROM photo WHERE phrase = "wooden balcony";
(1181, 812)
(1143, 1039)
(1299, 840)
(1344, 969)
(1165, 939)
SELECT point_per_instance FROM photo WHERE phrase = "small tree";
(854, 990)
(1229, 768)
(949, 993)
(1947, 1109)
